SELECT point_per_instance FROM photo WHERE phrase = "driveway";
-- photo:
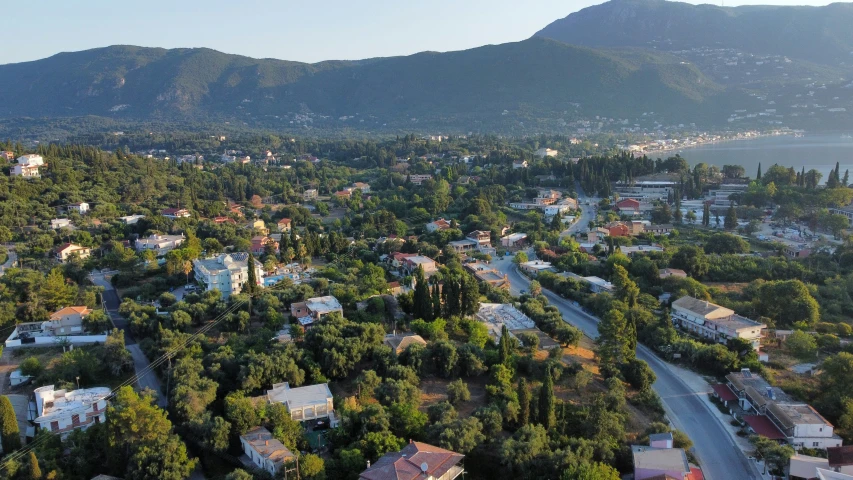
(720, 458)
(140, 361)
(10, 260)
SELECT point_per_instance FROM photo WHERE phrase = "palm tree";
(188, 267)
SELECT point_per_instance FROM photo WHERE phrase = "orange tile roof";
(70, 311)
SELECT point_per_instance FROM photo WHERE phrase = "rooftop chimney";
(368, 464)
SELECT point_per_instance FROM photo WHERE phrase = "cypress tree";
(524, 403)
(845, 181)
(758, 175)
(546, 401)
(423, 298)
(252, 282)
(504, 347)
(731, 218)
(35, 470)
(9, 433)
(436, 301)
(470, 295)
(706, 214)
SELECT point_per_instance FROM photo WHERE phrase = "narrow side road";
(140, 361)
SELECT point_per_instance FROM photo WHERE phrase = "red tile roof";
(840, 456)
(406, 464)
(695, 474)
(724, 392)
(764, 427)
(70, 311)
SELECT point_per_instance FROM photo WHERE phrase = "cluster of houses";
(548, 201)
(27, 166)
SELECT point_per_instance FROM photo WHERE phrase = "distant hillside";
(475, 87)
(817, 34)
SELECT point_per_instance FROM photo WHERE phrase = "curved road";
(720, 458)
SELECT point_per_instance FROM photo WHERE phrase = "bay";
(818, 151)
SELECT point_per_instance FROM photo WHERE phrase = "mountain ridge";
(467, 86)
(814, 33)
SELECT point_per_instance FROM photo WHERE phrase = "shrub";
(457, 392)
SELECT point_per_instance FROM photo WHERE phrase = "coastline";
(677, 149)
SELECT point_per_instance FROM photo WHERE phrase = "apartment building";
(227, 272)
(771, 412)
(716, 323)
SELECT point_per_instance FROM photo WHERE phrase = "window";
(54, 426)
(75, 419)
(815, 444)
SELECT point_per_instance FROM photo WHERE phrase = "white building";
(69, 250)
(533, 267)
(31, 160)
(59, 411)
(514, 240)
(80, 208)
(646, 190)
(312, 402)
(25, 171)
(714, 322)
(264, 450)
(546, 152)
(63, 326)
(314, 309)
(440, 224)
(227, 272)
(58, 223)
(419, 179)
(131, 219)
(779, 416)
(160, 244)
(310, 194)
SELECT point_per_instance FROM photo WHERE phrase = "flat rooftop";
(75, 401)
(736, 322)
(300, 396)
(323, 305)
(499, 314)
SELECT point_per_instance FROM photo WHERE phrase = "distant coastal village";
(673, 145)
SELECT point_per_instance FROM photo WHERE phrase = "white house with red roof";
(416, 461)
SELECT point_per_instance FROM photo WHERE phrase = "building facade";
(160, 244)
(713, 322)
(60, 411)
(227, 272)
(264, 450)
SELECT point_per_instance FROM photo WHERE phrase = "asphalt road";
(719, 457)
(140, 361)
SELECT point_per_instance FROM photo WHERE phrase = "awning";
(764, 427)
(724, 392)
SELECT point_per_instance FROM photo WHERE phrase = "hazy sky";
(301, 30)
